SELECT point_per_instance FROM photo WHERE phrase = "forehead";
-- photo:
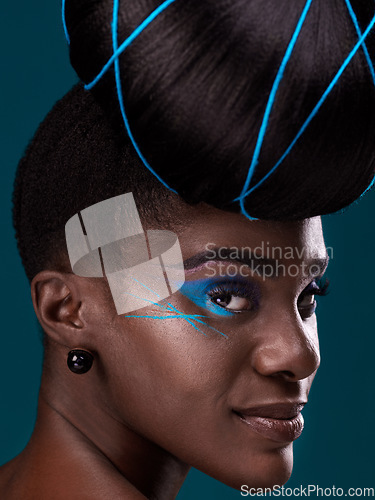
(217, 228)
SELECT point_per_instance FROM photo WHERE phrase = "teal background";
(337, 446)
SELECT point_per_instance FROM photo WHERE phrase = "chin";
(264, 470)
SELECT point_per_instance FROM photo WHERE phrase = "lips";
(281, 422)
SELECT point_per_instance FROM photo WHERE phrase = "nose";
(288, 348)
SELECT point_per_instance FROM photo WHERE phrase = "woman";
(218, 380)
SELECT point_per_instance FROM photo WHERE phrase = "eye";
(232, 303)
(234, 297)
(306, 301)
(226, 298)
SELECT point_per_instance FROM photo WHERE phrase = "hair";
(195, 85)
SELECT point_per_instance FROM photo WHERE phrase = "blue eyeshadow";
(200, 292)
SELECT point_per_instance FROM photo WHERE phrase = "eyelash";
(234, 289)
(318, 287)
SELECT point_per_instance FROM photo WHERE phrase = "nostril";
(286, 374)
(291, 359)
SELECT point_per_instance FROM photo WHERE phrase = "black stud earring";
(79, 361)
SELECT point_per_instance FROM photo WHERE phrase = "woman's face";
(222, 390)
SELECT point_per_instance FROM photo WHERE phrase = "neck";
(95, 435)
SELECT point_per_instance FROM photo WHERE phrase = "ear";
(57, 299)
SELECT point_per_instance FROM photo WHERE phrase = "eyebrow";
(252, 261)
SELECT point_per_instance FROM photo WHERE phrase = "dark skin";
(160, 395)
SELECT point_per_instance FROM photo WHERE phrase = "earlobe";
(57, 304)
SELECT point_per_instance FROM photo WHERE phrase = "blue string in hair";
(114, 60)
(117, 51)
(371, 68)
(119, 85)
(64, 22)
(315, 110)
(359, 33)
(270, 103)
(128, 41)
(368, 188)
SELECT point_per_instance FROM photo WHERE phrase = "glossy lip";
(280, 422)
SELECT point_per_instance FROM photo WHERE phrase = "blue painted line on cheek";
(204, 323)
(146, 287)
(146, 300)
(178, 316)
(189, 318)
(151, 316)
(211, 328)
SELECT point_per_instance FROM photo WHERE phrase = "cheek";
(168, 360)
(175, 348)
(171, 384)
